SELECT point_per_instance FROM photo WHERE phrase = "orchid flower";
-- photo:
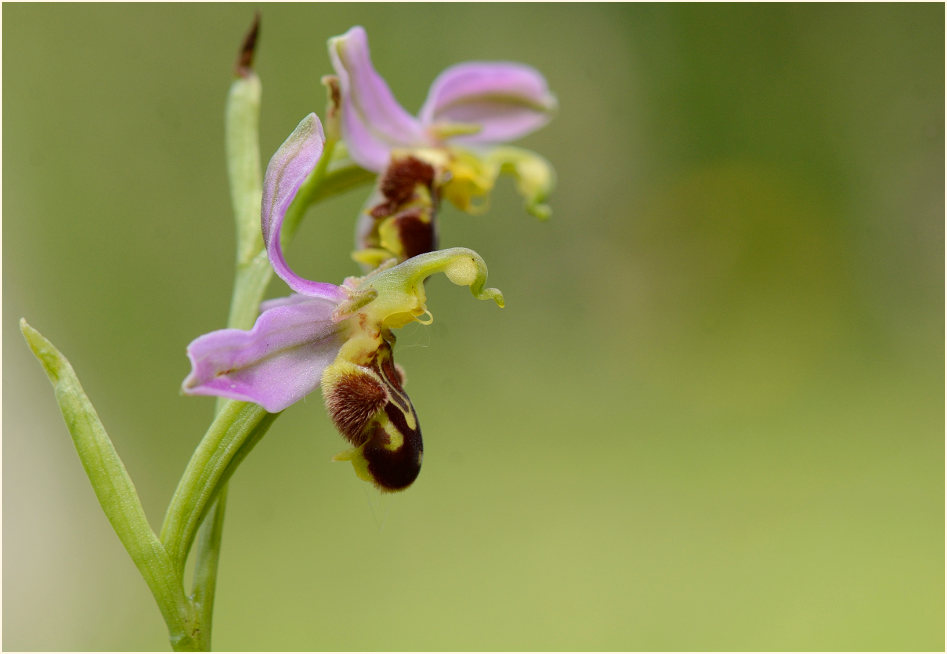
(336, 336)
(470, 111)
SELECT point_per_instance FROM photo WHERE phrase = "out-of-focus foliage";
(710, 416)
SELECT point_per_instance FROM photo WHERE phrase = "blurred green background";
(710, 416)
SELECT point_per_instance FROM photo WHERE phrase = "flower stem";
(205, 569)
(185, 512)
(234, 432)
(238, 426)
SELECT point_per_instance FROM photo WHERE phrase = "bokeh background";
(710, 417)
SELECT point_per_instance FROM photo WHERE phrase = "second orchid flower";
(454, 148)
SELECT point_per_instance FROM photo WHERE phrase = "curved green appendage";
(473, 176)
(462, 266)
(115, 491)
(534, 176)
(397, 295)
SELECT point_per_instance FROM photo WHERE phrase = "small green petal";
(534, 175)
(470, 180)
(399, 290)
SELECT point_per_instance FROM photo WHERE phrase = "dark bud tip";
(331, 82)
(244, 65)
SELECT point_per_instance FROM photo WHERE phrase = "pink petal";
(506, 100)
(276, 363)
(373, 123)
(293, 162)
(295, 298)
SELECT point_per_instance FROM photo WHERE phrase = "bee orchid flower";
(471, 110)
(336, 336)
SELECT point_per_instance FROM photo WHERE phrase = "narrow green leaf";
(113, 487)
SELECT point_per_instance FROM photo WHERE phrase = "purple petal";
(293, 162)
(372, 120)
(506, 100)
(276, 363)
(295, 298)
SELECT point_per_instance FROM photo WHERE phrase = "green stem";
(339, 179)
(249, 285)
(185, 512)
(205, 569)
(250, 281)
(239, 426)
(235, 430)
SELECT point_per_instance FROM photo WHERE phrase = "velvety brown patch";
(352, 401)
(402, 176)
(398, 184)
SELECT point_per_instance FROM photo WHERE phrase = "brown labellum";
(369, 407)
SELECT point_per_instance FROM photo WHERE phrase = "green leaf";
(114, 488)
